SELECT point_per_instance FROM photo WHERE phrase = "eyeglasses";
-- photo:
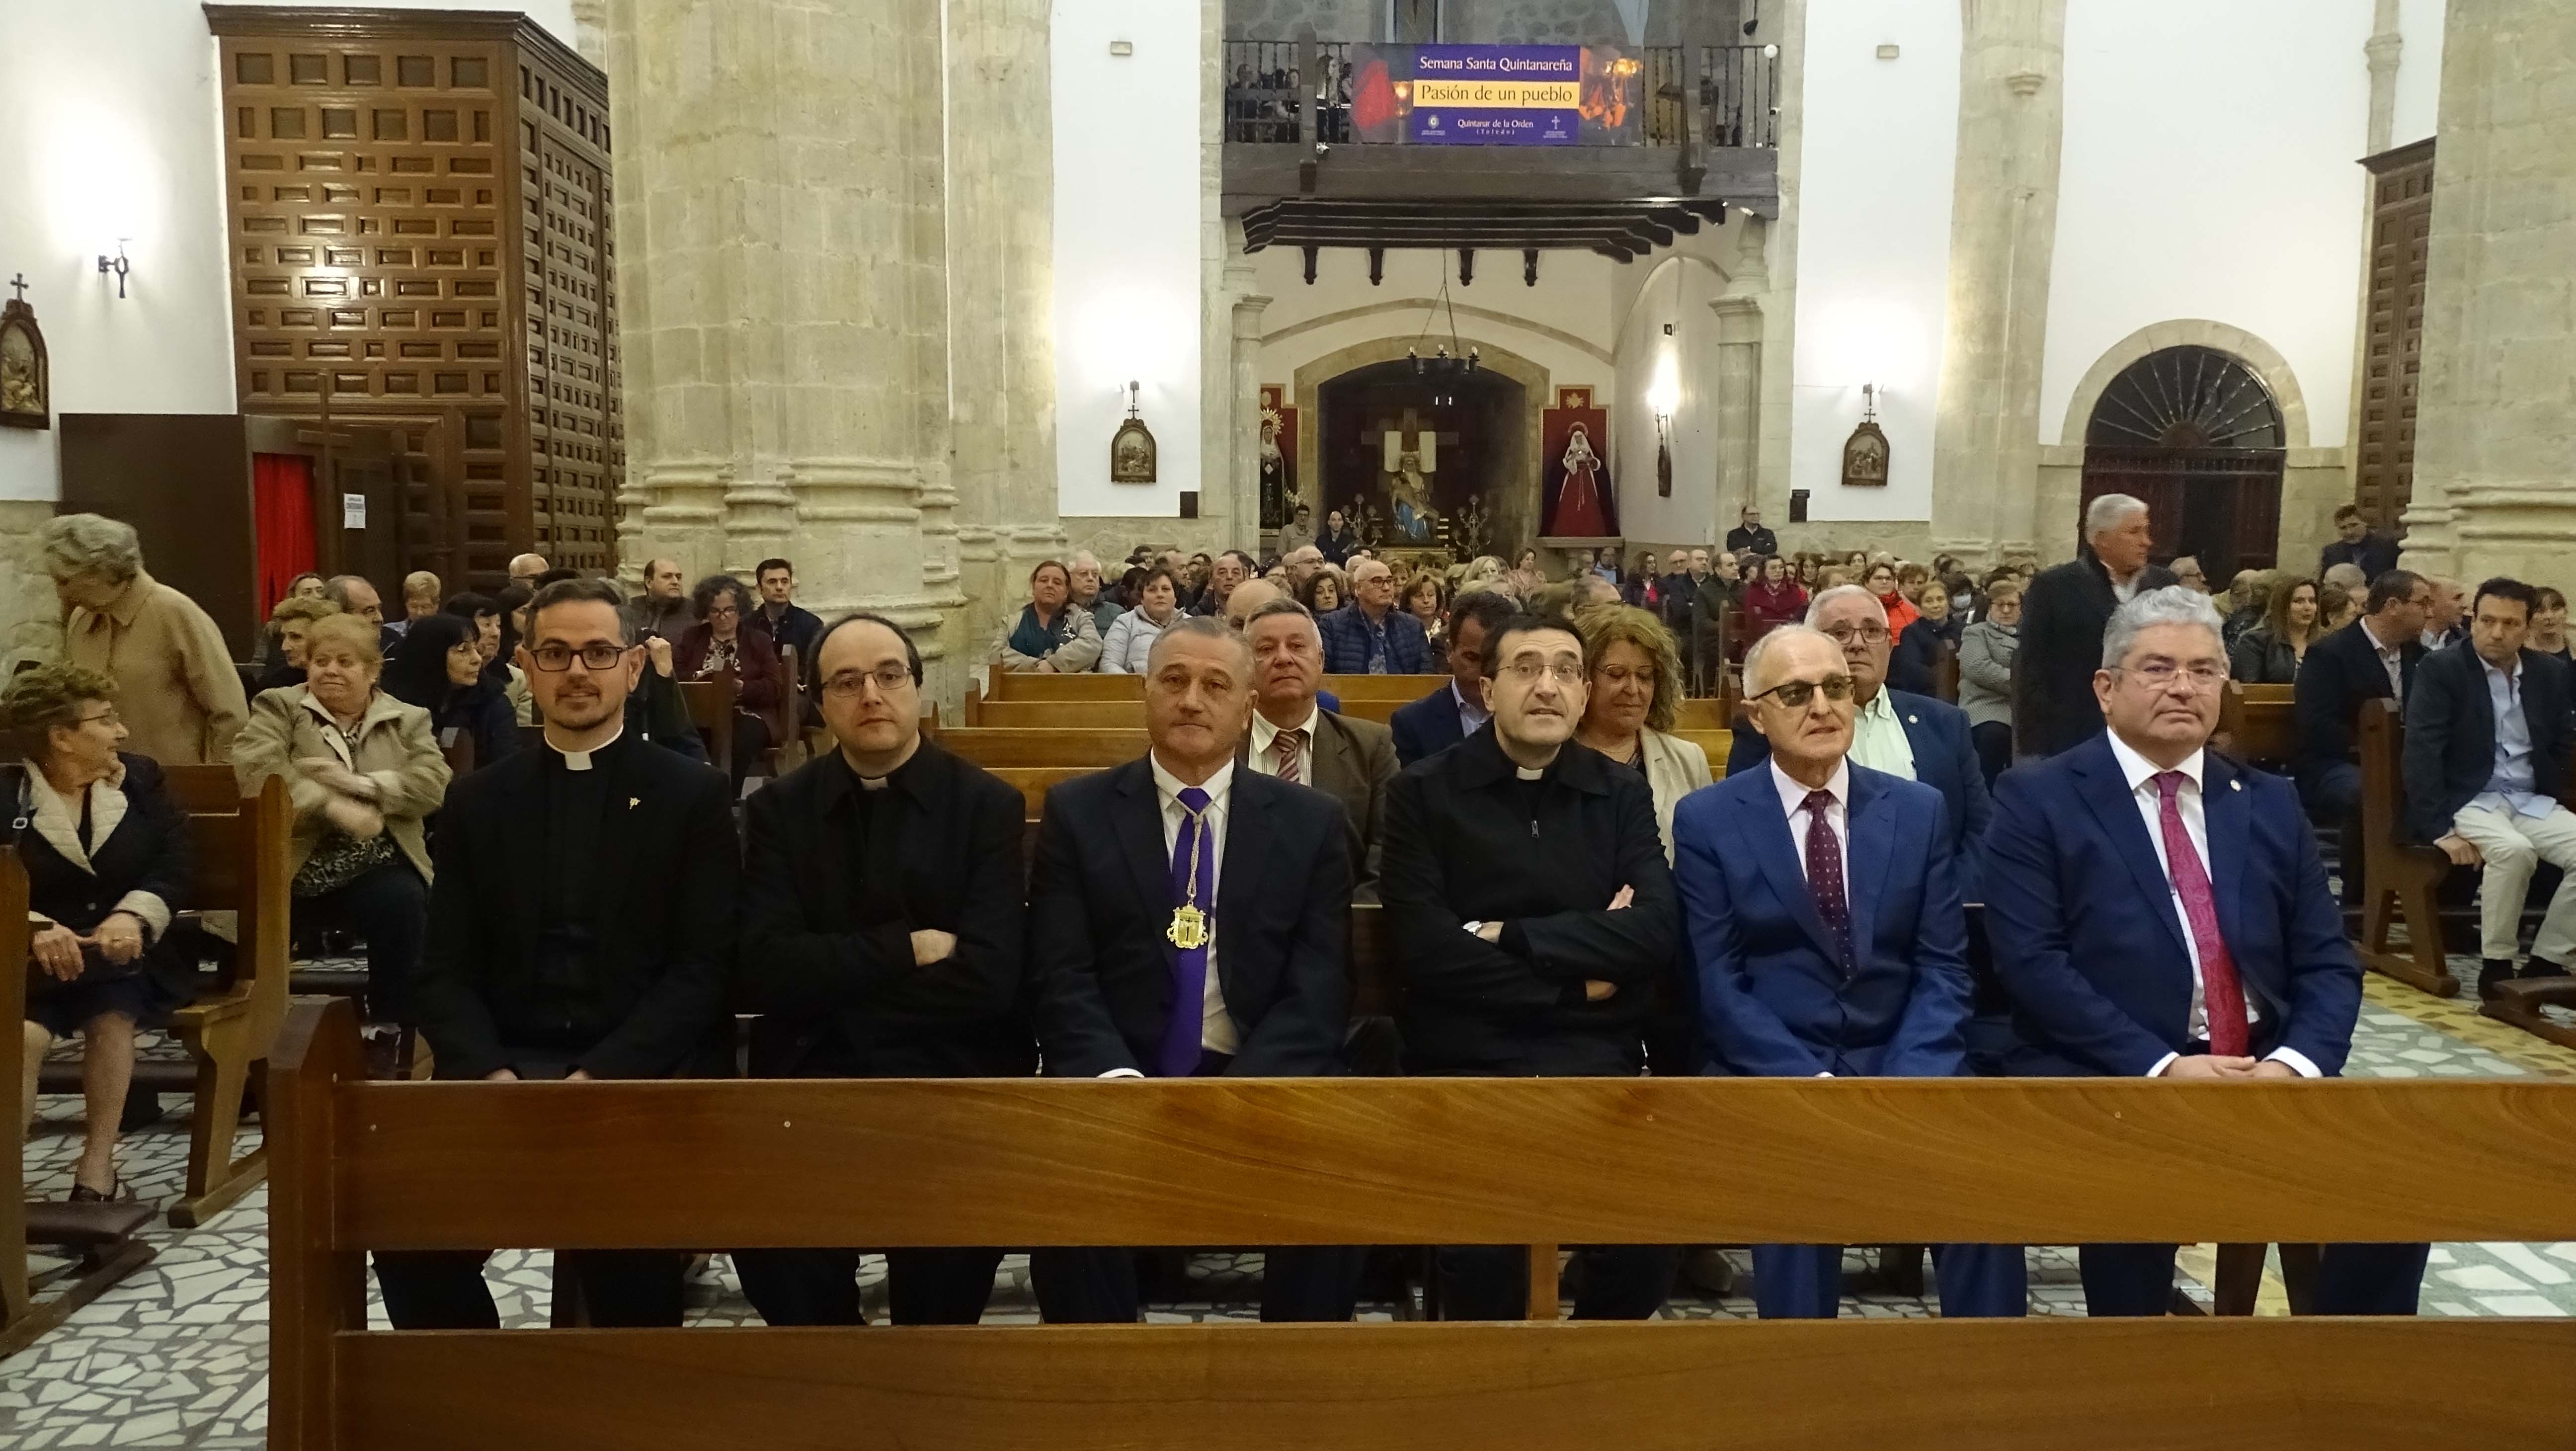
(1866, 634)
(555, 659)
(1527, 672)
(2158, 674)
(728, 611)
(107, 717)
(889, 677)
(1795, 694)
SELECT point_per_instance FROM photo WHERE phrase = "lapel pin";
(2235, 785)
(1914, 720)
(634, 801)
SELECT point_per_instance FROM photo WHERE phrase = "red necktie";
(2222, 997)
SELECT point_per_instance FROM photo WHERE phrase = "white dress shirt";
(2391, 659)
(1879, 740)
(1793, 800)
(1264, 756)
(2141, 774)
(1472, 714)
(2510, 790)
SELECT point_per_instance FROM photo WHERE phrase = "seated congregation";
(1558, 884)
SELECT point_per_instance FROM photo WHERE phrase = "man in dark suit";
(2062, 615)
(1371, 636)
(784, 621)
(2373, 658)
(2357, 544)
(1449, 715)
(2158, 911)
(1914, 737)
(580, 927)
(1533, 913)
(1210, 941)
(1828, 937)
(881, 939)
(1295, 739)
(355, 595)
(2488, 737)
(1750, 537)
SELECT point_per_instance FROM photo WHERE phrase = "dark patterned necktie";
(1286, 746)
(1825, 875)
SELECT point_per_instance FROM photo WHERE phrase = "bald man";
(525, 568)
(1373, 637)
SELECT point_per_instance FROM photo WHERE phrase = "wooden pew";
(711, 705)
(1532, 1162)
(102, 1233)
(1695, 714)
(2397, 873)
(2257, 723)
(1001, 685)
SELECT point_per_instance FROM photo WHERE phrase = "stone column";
(1737, 415)
(2496, 420)
(590, 31)
(783, 264)
(2385, 46)
(2003, 228)
(1243, 465)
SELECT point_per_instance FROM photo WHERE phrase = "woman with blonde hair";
(287, 623)
(1636, 696)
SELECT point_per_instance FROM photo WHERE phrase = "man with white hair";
(2062, 616)
(177, 690)
(1373, 637)
(1088, 595)
(1302, 563)
(524, 569)
(2158, 911)
(1821, 903)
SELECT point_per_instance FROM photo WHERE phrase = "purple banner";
(1497, 95)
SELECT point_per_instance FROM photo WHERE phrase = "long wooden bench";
(100, 1237)
(1529, 1162)
(1694, 714)
(2399, 877)
(1000, 684)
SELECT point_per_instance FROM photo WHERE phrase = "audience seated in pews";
(106, 854)
(420, 598)
(1299, 740)
(1211, 940)
(1822, 904)
(1910, 736)
(364, 774)
(661, 612)
(2442, 618)
(1049, 636)
(2272, 652)
(1635, 696)
(2064, 612)
(1532, 910)
(2549, 625)
(1449, 715)
(176, 687)
(1325, 590)
(1130, 638)
(524, 569)
(2158, 911)
(788, 624)
(355, 596)
(2489, 732)
(880, 938)
(286, 624)
(581, 926)
(1371, 636)
(1772, 600)
(496, 636)
(718, 645)
(439, 666)
(1224, 572)
(2373, 658)
(1986, 653)
(305, 586)
(1426, 598)
(1914, 666)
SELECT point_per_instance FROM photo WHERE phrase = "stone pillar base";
(31, 619)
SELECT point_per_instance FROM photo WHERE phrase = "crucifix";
(1411, 455)
(1388, 442)
(20, 282)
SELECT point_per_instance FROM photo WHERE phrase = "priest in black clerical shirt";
(580, 927)
(881, 939)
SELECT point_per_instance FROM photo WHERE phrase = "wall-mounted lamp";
(116, 264)
(1664, 396)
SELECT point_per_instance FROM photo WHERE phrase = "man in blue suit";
(2158, 911)
(1826, 930)
(1902, 734)
(1447, 716)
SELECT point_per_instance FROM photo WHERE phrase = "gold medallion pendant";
(1188, 929)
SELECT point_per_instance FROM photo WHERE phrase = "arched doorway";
(2195, 433)
(1470, 427)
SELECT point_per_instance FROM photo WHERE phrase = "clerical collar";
(1527, 774)
(581, 760)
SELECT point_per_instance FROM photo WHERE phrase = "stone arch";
(1516, 517)
(1723, 279)
(2262, 357)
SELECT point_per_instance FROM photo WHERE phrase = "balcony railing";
(1287, 92)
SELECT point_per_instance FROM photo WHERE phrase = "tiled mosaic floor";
(176, 1355)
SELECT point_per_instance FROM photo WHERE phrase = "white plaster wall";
(2419, 69)
(1128, 222)
(1574, 293)
(1678, 291)
(2232, 198)
(1873, 264)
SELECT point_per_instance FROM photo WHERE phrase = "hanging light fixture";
(1453, 357)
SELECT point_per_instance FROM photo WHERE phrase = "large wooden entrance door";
(2195, 434)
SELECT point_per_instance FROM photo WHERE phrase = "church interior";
(942, 304)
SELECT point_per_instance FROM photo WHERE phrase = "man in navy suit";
(1445, 717)
(2157, 911)
(1209, 942)
(1372, 636)
(1911, 736)
(1826, 930)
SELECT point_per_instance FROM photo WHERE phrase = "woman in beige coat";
(364, 774)
(1636, 695)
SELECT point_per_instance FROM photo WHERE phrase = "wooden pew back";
(1532, 1162)
(2259, 723)
(239, 865)
(1695, 714)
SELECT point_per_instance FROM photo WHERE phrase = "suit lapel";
(1872, 841)
(2230, 824)
(1139, 824)
(1245, 863)
(2106, 791)
(1334, 774)
(629, 805)
(1775, 848)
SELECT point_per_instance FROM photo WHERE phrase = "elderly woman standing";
(106, 854)
(363, 772)
(176, 686)
(1132, 635)
(1636, 695)
(1050, 637)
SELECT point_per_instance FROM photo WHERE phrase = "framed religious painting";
(26, 378)
(1131, 448)
(1865, 452)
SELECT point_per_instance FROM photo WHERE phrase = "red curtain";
(282, 495)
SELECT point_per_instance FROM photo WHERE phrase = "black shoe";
(2492, 971)
(116, 1194)
(2539, 967)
